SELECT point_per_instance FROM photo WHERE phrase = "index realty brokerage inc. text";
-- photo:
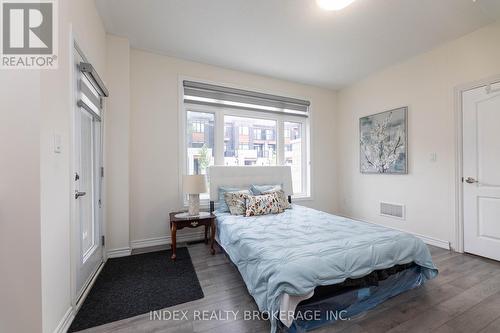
(206, 315)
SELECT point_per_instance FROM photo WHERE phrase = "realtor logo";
(29, 34)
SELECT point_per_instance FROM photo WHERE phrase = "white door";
(481, 170)
(87, 191)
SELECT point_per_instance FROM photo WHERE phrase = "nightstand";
(192, 222)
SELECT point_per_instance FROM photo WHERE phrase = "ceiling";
(294, 39)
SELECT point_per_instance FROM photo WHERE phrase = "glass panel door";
(87, 157)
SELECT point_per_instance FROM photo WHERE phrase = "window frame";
(219, 133)
(305, 153)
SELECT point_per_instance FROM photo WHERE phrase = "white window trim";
(219, 113)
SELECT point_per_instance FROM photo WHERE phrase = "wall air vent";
(392, 210)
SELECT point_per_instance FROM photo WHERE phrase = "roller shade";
(208, 94)
(91, 90)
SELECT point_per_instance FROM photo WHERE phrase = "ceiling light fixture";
(333, 4)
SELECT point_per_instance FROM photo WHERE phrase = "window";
(228, 149)
(269, 134)
(243, 130)
(257, 134)
(198, 127)
(224, 130)
(262, 148)
(228, 131)
(259, 147)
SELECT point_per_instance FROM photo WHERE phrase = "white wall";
(55, 169)
(154, 136)
(426, 85)
(117, 143)
(20, 272)
(34, 191)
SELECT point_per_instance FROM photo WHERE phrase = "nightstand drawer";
(193, 223)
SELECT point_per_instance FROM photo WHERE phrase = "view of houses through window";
(200, 141)
(246, 141)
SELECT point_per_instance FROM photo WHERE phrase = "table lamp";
(194, 185)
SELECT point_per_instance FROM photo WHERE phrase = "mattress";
(287, 255)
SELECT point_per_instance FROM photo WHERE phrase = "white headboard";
(248, 175)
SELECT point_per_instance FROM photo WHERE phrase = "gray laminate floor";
(464, 298)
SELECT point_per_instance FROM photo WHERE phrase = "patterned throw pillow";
(283, 200)
(221, 204)
(236, 201)
(263, 204)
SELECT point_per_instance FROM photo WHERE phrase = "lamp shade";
(194, 184)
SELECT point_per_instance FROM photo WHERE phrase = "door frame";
(77, 300)
(459, 203)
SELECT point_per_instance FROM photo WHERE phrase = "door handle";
(79, 194)
(470, 180)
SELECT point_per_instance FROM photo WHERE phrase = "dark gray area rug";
(133, 285)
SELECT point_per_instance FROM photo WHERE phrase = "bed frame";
(241, 176)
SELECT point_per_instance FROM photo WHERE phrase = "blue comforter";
(302, 248)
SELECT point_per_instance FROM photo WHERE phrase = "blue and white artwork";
(383, 142)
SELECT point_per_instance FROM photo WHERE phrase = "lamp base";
(194, 204)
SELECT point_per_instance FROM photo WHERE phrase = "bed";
(305, 259)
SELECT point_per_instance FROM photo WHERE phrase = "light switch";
(433, 157)
(57, 144)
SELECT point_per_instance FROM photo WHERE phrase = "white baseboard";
(120, 252)
(137, 244)
(66, 321)
(70, 314)
(426, 239)
(433, 241)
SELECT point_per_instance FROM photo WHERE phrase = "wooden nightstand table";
(192, 222)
